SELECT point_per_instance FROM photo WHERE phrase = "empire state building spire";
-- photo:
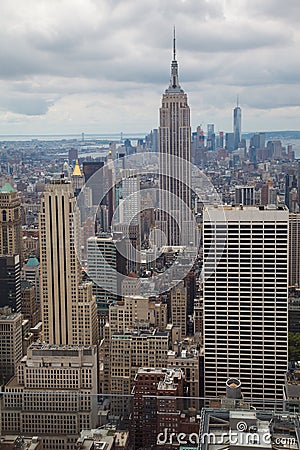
(174, 159)
(174, 82)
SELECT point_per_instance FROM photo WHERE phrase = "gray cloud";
(72, 60)
(26, 105)
(276, 10)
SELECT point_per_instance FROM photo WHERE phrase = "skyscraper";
(174, 141)
(68, 308)
(129, 211)
(11, 248)
(294, 253)
(245, 195)
(96, 183)
(211, 137)
(10, 287)
(229, 141)
(245, 299)
(179, 307)
(10, 343)
(77, 178)
(237, 125)
(102, 270)
(10, 222)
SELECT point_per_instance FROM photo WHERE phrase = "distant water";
(70, 137)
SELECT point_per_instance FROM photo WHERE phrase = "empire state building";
(174, 160)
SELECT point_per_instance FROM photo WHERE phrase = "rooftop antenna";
(237, 100)
(174, 44)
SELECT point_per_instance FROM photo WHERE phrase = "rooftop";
(44, 346)
(244, 429)
(7, 189)
(77, 171)
(32, 262)
(7, 314)
(251, 208)
(153, 370)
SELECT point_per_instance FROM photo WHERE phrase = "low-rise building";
(53, 395)
(125, 353)
(240, 429)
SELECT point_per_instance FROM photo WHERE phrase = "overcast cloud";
(101, 66)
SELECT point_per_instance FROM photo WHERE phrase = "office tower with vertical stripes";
(246, 300)
(294, 251)
(68, 307)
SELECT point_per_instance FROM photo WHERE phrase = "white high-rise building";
(102, 267)
(246, 299)
(102, 270)
(175, 142)
(130, 206)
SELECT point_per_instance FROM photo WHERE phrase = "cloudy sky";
(101, 66)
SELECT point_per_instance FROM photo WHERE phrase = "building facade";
(155, 405)
(29, 305)
(245, 195)
(10, 343)
(125, 353)
(294, 251)
(53, 395)
(10, 283)
(246, 300)
(10, 222)
(102, 270)
(174, 142)
(68, 307)
(178, 305)
(237, 126)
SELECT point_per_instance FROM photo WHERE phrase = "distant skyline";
(101, 66)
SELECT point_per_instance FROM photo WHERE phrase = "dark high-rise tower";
(174, 141)
(237, 124)
(10, 288)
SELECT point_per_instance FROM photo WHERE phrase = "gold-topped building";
(77, 177)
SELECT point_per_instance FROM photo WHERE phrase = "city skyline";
(103, 69)
(155, 297)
